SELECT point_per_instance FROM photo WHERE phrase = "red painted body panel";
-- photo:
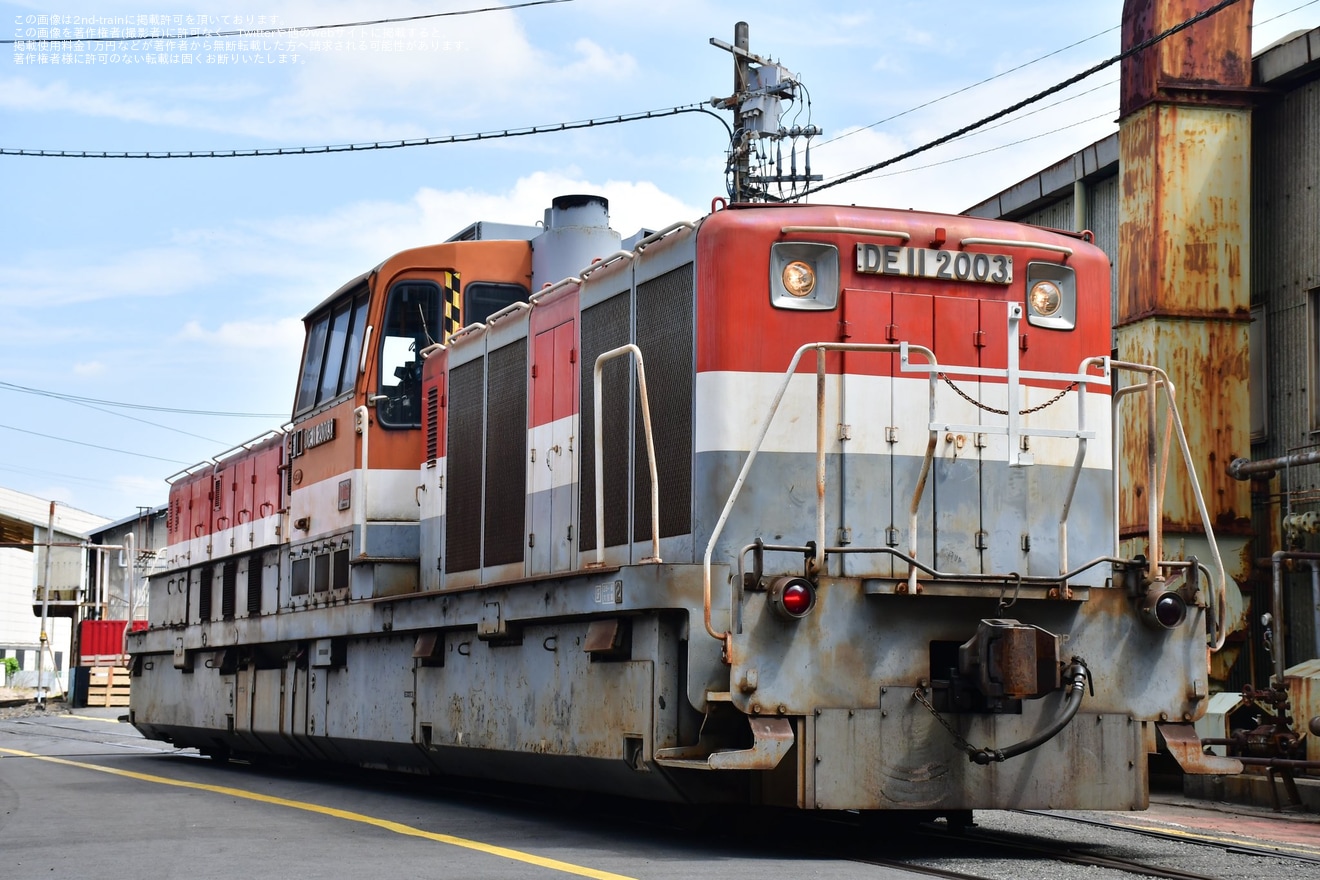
(734, 295)
(553, 329)
(250, 485)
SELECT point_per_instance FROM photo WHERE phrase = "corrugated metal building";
(1082, 192)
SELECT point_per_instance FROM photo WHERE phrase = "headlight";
(1045, 298)
(804, 275)
(1051, 296)
(799, 278)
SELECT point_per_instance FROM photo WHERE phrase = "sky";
(179, 285)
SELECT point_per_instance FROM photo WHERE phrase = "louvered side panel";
(665, 336)
(506, 454)
(464, 447)
(604, 327)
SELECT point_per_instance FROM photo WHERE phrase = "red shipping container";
(101, 642)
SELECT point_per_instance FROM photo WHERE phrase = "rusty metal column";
(1184, 264)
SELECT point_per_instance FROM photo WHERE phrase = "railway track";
(1002, 844)
(990, 848)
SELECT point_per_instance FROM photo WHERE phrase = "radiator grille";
(665, 336)
(506, 454)
(254, 584)
(204, 594)
(463, 500)
(605, 327)
(228, 589)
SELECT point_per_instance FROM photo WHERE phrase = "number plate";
(875, 259)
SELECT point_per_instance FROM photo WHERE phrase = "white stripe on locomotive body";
(391, 497)
(730, 407)
(223, 543)
(431, 513)
(552, 455)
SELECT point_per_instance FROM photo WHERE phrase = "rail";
(599, 449)
(361, 421)
(903, 350)
(602, 262)
(551, 288)
(662, 234)
(233, 450)
(1157, 472)
(1156, 381)
(1008, 242)
(844, 230)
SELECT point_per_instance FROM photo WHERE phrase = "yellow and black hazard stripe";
(453, 305)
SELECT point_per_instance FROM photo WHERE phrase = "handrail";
(937, 575)
(903, 349)
(215, 461)
(597, 265)
(506, 311)
(1157, 380)
(663, 233)
(845, 230)
(600, 449)
(464, 332)
(1008, 242)
(551, 288)
(1079, 460)
(360, 425)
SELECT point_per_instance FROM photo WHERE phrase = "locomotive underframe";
(499, 683)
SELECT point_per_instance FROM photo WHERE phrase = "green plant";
(11, 666)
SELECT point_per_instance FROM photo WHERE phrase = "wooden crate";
(108, 686)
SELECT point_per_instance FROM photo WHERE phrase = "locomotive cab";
(355, 439)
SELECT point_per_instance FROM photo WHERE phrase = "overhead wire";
(73, 398)
(495, 134)
(1026, 102)
(969, 87)
(94, 445)
(1039, 135)
(1257, 24)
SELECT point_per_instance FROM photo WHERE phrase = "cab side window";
(334, 346)
(413, 317)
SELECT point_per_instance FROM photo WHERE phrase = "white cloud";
(88, 368)
(45, 279)
(281, 334)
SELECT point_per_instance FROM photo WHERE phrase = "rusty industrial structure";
(1207, 201)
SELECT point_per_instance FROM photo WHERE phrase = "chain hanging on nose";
(1004, 605)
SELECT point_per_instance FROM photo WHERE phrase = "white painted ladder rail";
(599, 425)
(1156, 381)
(904, 351)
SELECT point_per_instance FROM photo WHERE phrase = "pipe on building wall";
(1315, 605)
(1245, 468)
(1276, 601)
(1081, 205)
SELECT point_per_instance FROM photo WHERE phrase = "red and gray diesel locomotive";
(797, 505)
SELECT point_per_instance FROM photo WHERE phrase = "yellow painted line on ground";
(93, 718)
(396, 827)
(1281, 847)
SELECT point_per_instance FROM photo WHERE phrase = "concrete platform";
(1255, 790)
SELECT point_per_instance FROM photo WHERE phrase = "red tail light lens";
(792, 597)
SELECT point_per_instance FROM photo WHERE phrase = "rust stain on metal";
(1210, 62)
(1185, 747)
